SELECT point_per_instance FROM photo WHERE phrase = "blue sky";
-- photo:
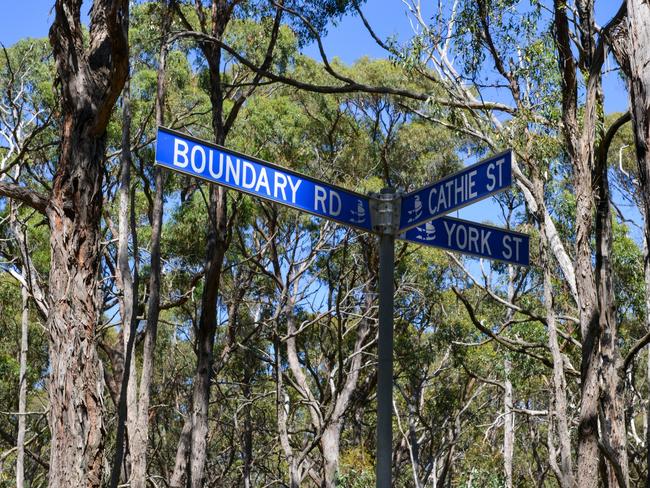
(348, 40)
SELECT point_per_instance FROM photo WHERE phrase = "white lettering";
(280, 185)
(517, 242)
(442, 202)
(248, 170)
(294, 187)
(500, 165)
(459, 193)
(263, 181)
(507, 252)
(450, 231)
(178, 152)
(232, 170)
(335, 203)
(462, 246)
(319, 197)
(490, 175)
(473, 239)
(195, 167)
(219, 173)
(471, 191)
(485, 235)
(432, 195)
(448, 186)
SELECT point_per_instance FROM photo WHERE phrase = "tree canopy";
(158, 330)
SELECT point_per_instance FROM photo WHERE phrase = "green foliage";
(357, 469)
(448, 371)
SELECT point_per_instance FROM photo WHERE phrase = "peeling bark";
(559, 418)
(91, 77)
(595, 288)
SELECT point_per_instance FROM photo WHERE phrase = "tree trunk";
(194, 445)
(588, 453)
(127, 408)
(414, 406)
(28, 281)
(509, 416)
(559, 401)
(612, 425)
(248, 432)
(580, 142)
(139, 437)
(182, 454)
(205, 336)
(92, 73)
(282, 412)
(329, 442)
(638, 56)
(647, 413)
(76, 385)
(630, 48)
(646, 422)
(218, 236)
(216, 248)
(22, 390)
(508, 425)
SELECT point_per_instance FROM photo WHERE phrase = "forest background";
(159, 331)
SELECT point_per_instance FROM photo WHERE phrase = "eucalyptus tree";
(522, 51)
(91, 73)
(192, 444)
(627, 41)
(134, 398)
(230, 84)
(91, 77)
(26, 132)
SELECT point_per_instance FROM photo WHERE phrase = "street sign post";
(467, 186)
(479, 240)
(416, 217)
(385, 210)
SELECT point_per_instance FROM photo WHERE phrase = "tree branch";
(349, 87)
(603, 148)
(640, 344)
(29, 197)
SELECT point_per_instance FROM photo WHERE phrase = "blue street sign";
(469, 185)
(466, 237)
(226, 167)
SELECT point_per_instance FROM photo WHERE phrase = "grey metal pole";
(385, 345)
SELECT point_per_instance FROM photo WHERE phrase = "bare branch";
(30, 197)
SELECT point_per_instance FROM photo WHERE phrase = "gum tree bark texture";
(91, 75)
(583, 129)
(627, 43)
(638, 27)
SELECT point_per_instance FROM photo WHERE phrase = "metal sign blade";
(217, 164)
(467, 237)
(458, 190)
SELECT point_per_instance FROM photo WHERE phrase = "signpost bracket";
(385, 209)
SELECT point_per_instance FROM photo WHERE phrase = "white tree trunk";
(330, 445)
(22, 391)
(509, 417)
(508, 425)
